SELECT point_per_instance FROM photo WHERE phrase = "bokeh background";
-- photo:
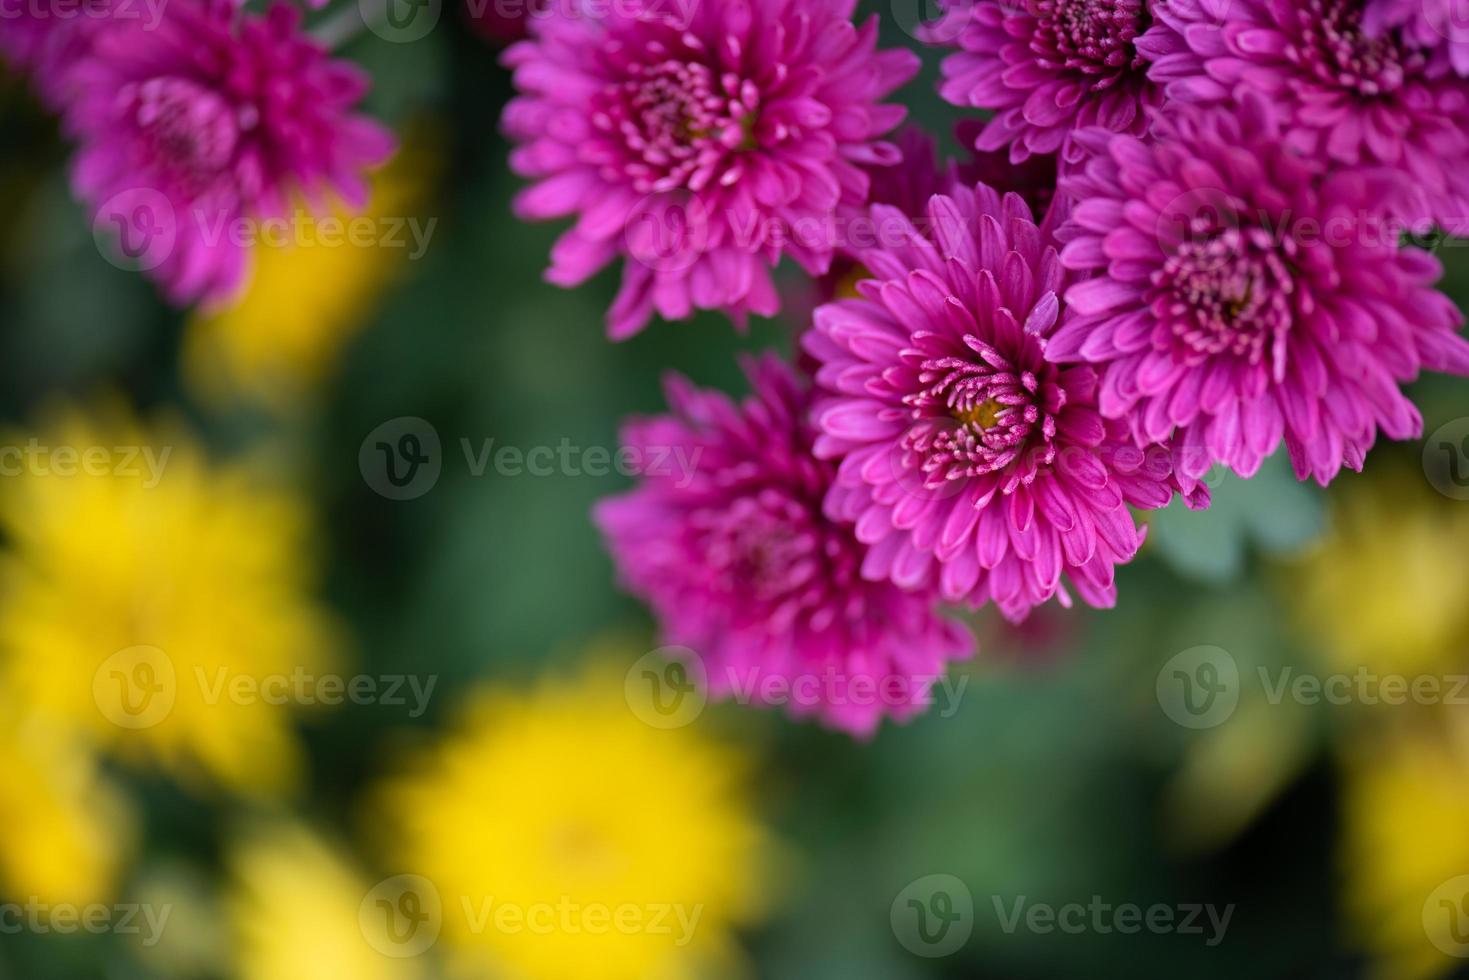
(512, 762)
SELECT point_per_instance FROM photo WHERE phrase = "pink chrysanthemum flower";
(1345, 97)
(731, 549)
(212, 119)
(1240, 295)
(1046, 68)
(701, 148)
(968, 461)
(1434, 25)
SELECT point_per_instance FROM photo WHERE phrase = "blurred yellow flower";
(1405, 850)
(293, 907)
(313, 287)
(67, 830)
(1385, 588)
(565, 838)
(157, 602)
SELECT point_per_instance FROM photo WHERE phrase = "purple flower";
(1046, 68)
(1344, 95)
(213, 118)
(967, 460)
(730, 547)
(701, 148)
(1434, 25)
(1241, 294)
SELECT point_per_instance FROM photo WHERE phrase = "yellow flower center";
(985, 415)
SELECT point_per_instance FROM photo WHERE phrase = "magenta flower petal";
(213, 118)
(1046, 69)
(1349, 88)
(700, 144)
(1248, 296)
(1436, 26)
(725, 538)
(967, 461)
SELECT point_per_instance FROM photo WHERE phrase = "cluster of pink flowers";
(1179, 245)
(190, 117)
